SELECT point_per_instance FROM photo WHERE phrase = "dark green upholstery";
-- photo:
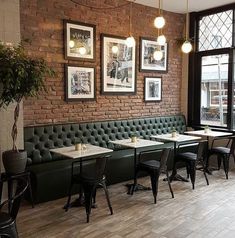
(51, 173)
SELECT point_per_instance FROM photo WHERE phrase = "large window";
(212, 67)
(214, 90)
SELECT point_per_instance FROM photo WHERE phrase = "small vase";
(78, 146)
(173, 134)
(133, 139)
(207, 130)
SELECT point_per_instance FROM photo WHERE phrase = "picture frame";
(147, 62)
(80, 84)
(152, 89)
(79, 40)
(118, 67)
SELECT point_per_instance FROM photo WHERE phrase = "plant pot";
(14, 161)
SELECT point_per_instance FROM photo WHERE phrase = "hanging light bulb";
(130, 41)
(71, 44)
(187, 46)
(82, 50)
(115, 49)
(158, 55)
(159, 21)
(161, 40)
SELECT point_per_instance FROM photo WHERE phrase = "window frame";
(194, 76)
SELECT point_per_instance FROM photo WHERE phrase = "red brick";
(42, 23)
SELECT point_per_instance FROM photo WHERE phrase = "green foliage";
(20, 75)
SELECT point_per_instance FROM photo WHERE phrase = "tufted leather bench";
(51, 173)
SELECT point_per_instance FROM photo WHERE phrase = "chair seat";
(87, 178)
(186, 156)
(154, 164)
(220, 150)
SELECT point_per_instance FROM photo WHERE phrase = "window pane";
(215, 31)
(214, 90)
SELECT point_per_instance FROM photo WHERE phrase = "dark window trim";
(194, 85)
(216, 10)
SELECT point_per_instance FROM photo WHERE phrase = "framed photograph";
(147, 62)
(152, 89)
(118, 67)
(79, 40)
(80, 83)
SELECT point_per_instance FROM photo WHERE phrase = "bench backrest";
(39, 139)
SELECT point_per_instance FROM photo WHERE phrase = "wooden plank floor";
(208, 211)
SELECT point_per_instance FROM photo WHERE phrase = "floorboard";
(207, 211)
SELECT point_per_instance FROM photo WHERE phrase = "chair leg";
(192, 166)
(188, 170)
(154, 182)
(219, 161)
(66, 207)
(103, 184)
(204, 171)
(169, 183)
(226, 165)
(88, 192)
(94, 197)
(30, 191)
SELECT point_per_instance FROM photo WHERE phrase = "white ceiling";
(179, 6)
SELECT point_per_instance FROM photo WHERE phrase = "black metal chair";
(89, 181)
(223, 152)
(148, 163)
(8, 219)
(192, 160)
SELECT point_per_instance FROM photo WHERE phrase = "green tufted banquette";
(51, 173)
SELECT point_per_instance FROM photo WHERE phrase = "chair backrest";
(154, 154)
(100, 166)
(14, 201)
(201, 149)
(164, 158)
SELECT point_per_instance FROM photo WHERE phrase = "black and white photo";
(147, 62)
(80, 83)
(153, 89)
(118, 66)
(79, 40)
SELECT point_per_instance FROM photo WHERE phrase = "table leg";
(174, 176)
(207, 170)
(135, 186)
(80, 201)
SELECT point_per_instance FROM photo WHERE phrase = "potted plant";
(20, 77)
(206, 129)
(134, 138)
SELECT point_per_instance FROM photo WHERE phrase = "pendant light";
(157, 55)
(82, 50)
(161, 39)
(187, 46)
(159, 21)
(115, 49)
(130, 41)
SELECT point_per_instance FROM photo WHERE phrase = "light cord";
(100, 8)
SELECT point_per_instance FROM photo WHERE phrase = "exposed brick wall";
(42, 23)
